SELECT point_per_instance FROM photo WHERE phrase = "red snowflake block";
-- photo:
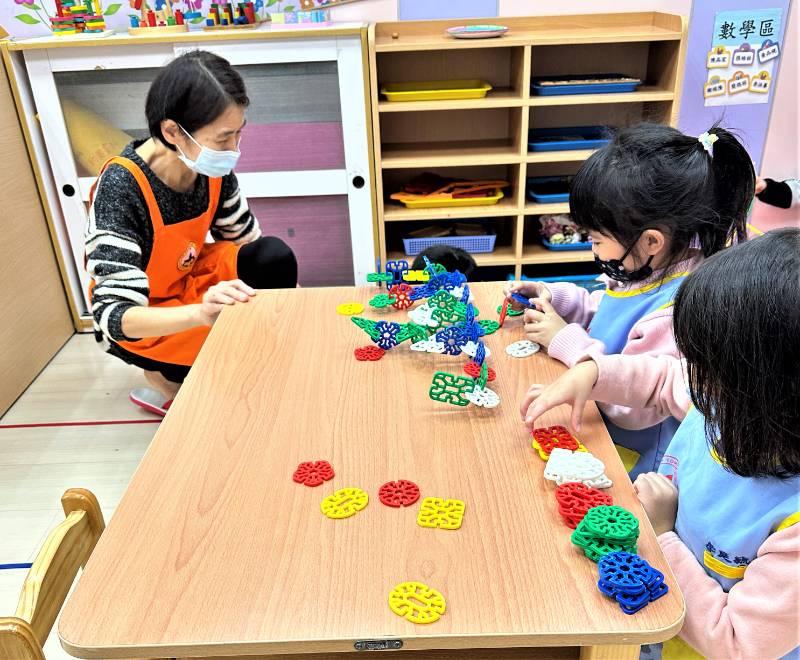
(555, 436)
(474, 369)
(399, 493)
(313, 473)
(402, 294)
(370, 353)
(504, 312)
(575, 499)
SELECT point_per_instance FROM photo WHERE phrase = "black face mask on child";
(614, 269)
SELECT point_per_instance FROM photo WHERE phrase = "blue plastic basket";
(567, 88)
(566, 247)
(588, 282)
(549, 189)
(474, 244)
(567, 138)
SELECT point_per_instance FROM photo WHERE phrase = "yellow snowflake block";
(349, 308)
(344, 503)
(544, 455)
(444, 514)
(416, 602)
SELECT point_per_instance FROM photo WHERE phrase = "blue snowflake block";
(387, 334)
(452, 338)
(397, 269)
(480, 353)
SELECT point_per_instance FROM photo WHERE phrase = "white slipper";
(151, 401)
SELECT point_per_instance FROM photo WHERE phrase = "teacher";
(157, 285)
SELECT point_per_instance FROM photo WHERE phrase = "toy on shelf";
(300, 19)
(433, 191)
(156, 21)
(435, 90)
(559, 232)
(222, 16)
(590, 83)
(78, 17)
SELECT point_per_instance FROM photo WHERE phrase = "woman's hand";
(529, 290)
(573, 387)
(542, 323)
(220, 295)
(659, 497)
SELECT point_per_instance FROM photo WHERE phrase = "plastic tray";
(548, 189)
(448, 203)
(568, 138)
(588, 282)
(474, 244)
(582, 88)
(437, 90)
(566, 247)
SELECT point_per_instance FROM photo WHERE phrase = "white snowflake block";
(471, 347)
(565, 466)
(428, 346)
(522, 349)
(483, 397)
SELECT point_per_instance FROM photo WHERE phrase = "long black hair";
(737, 322)
(652, 176)
(193, 90)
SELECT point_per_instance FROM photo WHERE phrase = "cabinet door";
(305, 156)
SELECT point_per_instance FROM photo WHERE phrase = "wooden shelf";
(397, 213)
(536, 31)
(503, 255)
(537, 254)
(497, 98)
(452, 154)
(568, 156)
(540, 209)
(645, 94)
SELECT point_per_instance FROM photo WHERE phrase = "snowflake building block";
(398, 493)
(313, 473)
(483, 397)
(565, 466)
(473, 370)
(630, 580)
(382, 300)
(480, 353)
(427, 346)
(452, 338)
(439, 513)
(447, 388)
(349, 308)
(522, 349)
(521, 300)
(387, 334)
(416, 602)
(489, 326)
(397, 269)
(366, 325)
(575, 499)
(380, 277)
(369, 353)
(344, 503)
(547, 439)
(402, 294)
(423, 315)
(612, 523)
(472, 349)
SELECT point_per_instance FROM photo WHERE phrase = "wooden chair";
(48, 582)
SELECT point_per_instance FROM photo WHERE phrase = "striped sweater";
(119, 236)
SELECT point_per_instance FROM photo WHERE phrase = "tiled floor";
(37, 464)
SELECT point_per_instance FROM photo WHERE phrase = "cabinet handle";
(358, 182)
(99, 67)
(68, 190)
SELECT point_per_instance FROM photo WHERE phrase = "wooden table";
(214, 550)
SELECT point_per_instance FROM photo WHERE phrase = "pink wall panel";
(291, 146)
(317, 229)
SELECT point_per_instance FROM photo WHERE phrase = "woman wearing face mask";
(157, 286)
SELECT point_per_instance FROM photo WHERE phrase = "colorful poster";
(741, 64)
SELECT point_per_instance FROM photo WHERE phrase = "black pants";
(266, 263)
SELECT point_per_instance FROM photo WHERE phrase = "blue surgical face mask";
(209, 162)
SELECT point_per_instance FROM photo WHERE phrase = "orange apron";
(181, 269)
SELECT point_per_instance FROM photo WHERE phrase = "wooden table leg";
(616, 652)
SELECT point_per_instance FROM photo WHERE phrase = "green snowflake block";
(366, 325)
(382, 300)
(489, 326)
(380, 277)
(447, 388)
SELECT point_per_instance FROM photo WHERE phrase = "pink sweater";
(760, 616)
(652, 335)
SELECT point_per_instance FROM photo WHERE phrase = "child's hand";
(659, 497)
(573, 387)
(529, 290)
(760, 185)
(542, 326)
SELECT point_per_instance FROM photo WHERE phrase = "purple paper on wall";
(414, 10)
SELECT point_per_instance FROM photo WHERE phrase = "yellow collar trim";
(788, 521)
(721, 568)
(644, 289)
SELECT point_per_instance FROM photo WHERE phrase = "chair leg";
(18, 641)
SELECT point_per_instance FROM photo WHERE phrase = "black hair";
(737, 322)
(652, 176)
(193, 90)
(452, 258)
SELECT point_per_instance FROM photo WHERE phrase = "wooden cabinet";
(306, 151)
(487, 138)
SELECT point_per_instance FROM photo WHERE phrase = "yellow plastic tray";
(437, 90)
(445, 203)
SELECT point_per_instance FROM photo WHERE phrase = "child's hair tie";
(707, 140)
